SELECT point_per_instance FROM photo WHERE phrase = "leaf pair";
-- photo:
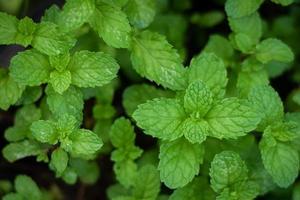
(78, 142)
(45, 36)
(279, 156)
(229, 177)
(201, 112)
(83, 69)
(122, 137)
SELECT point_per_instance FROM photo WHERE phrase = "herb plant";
(107, 94)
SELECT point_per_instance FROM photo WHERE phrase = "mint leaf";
(26, 29)
(241, 8)
(227, 168)
(126, 172)
(84, 143)
(30, 68)
(50, 40)
(88, 171)
(140, 13)
(147, 183)
(221, 47)
(252, 74)
(108, 19)
(8, 28)
(231, 118)
(44, 131)
(12, 196)
(122, 133)
(26, 187)
(146, 57)
(280, 160)
(283, 2)
(60, 62)
(10, 91)
(90, 69)
(75, 13)
(179, 162)
(274, 50)
(267, 104)
(19, 150)
(59, 160)
(60, 81)
(195, 130)
(70, 102)
(198, 189)
(162, 118)
(135, 95)
(209, 69)
(198, 99)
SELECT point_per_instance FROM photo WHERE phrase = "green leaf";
(12, 196)
(221, 47)
(195, 130)
(280, 160)
(75, 13)
(129, 152)
(69, 176)
(209, 69)
(274, 50)
(126, 172)
(140, 13)
(208, 19)
(90, 69)
(147, 183)
(26, 29)
(283, 2)
(26, 115)
(59, 160)
(246, 190)
(231, 118)
(44, 131)
(179, 162)
(112, 25)
(50, 40)
(52, 14)
(26, 187)
(103, 111)
(268, 105)
(8, 28)
(155, 59)
(30, 95)
(60, 62)
(227, 168)
(252, 75)
(198, 99)
(250, 26)
(10, 92)
(84, 143)
(136, 94)
(162, 118)
(70, 102)
(122, 133)
(30, 68)
(241, 8)
(19, 150)
(60, 81)
(198, 189)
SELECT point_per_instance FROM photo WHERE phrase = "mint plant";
(150, 100)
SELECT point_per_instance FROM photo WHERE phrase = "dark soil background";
(40, 172)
